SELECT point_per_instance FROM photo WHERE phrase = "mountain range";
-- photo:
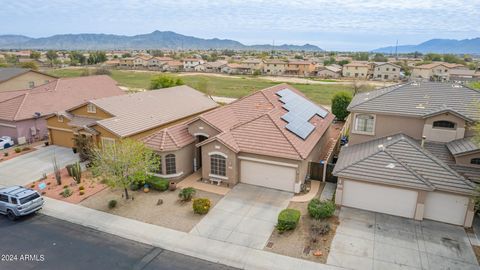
(154, 40)
(470, 46)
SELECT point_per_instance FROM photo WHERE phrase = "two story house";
(436, 71)
(274, 67)
(386, 72)
(267, 139)
(357, 70)
(411, 154)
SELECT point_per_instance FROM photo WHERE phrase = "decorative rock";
(317, 253)
(159, 202)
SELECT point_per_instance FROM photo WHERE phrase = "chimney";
(423, 141)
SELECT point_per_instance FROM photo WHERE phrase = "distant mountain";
(154, 40)
(471, 46)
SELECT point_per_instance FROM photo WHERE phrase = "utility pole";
(396, 50)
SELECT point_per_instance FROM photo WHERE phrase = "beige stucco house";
(21, 78)
(274, 67)
(386, 72)
(436, 71)
(255, 140)
(410, 152)
(356, 70)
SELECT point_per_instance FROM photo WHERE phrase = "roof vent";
(390, 166)
(420, 106)
(381, 147)
(456, 86)
(389, 138)
(415, 83)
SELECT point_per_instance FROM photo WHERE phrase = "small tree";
(121, 163)
(29, 65)
(164, 81)
(340, 103)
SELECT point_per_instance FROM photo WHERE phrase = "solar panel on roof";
(300, 111)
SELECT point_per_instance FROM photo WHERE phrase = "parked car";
(6, 142)
(17, 201)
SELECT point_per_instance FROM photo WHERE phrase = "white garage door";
(377, 198)
(446, 207)
(267, 175)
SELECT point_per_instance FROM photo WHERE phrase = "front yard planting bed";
(146, 207)
(12, 153)
(87, 187)
(299, 242)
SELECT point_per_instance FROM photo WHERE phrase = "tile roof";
(385, 159)
(436, 64)
(141, 111)
(253, 124)
(463, 146)
(8, 73)
(419, 99)
(55, 96)
(169, 139)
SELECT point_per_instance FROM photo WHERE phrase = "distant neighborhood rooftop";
(9, 73)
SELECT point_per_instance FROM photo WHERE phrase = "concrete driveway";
(246, 216)
(367, 240)
(31, 166)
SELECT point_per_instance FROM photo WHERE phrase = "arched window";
(170, 165)
(475, 161)
(443, 124)
(218, 165)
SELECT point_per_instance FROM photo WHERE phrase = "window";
(444, 124)
(31, 84)
(218, 165)
(60, 118)
(475, 161)
(91, 108)
(364, 123)
(29, 198)
(14, 200)
(394, 69)
(107, 142)
(170, 165)
(3, 198)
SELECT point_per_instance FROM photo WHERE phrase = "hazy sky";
(332, 25)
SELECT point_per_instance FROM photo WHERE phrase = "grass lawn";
(218, 86)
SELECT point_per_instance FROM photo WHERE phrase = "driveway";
(31, 166)
(246, 216)
(367, 240)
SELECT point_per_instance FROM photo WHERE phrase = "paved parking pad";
(367, 240)
(246, 216)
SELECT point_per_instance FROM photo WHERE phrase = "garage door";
(377, 198)
(267, 175)
(61, 138)
(445, 207)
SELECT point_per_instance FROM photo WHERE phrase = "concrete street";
(64, 245)
(31, 166)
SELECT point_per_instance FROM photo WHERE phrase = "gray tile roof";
(419, 99)
(462, 146)
(399, 160)
(8, 73)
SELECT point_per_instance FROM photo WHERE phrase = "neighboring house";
(410, 152)
(134, 116)
(21, 78)
(23, 112)
(328, 72)
(436, 71)
(356, 70)
(260, 139)
(126, 62)
(141, 61)
(215, 67)
(189, 64)
(173, 66)
(299, 68)
(386, 72)
(463, 75)
(253, 64)
(235, 68)
(274, 67)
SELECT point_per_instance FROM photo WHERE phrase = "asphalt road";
(42, 242)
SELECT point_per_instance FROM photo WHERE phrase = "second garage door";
(267, 175)
(447, 208)
(61, 138)
(383, 199)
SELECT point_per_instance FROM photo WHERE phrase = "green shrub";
(112, 204)
(66, 193)
(321, 209)
(288, 219)
(65, 186)
(134, 186)
(18, 150)
(158, 183)
(81, 188)
(186, 194)
(82, 192)
(26, 148)
(5, 154)
(340, 103)
(201, 206)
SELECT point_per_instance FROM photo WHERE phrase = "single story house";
(22, 78)
(267, 139)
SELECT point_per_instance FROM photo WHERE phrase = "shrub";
(81, 188)
(81, 192)
(158, 183)
(288, 219)
(164, 81)
(66, 193)
(201, 206)
(318, 229)
(65, 186)
(5, 154)
(134, 186)
(112, 204)
(321, 209)
(26, 148)
(32, 185)
(186, 194)
(340, 103)
(18, 150)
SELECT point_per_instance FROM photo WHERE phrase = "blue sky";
(332, 25)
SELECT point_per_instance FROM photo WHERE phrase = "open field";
(223, 86)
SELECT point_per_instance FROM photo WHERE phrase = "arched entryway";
(198, 155)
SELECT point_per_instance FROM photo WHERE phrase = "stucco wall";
(444, 134)
(465, 159)
(22, 81)
(8, 128)
(198, 127)
(231, 161)
(183, 161)
(99, 114)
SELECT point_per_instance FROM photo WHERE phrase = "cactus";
(77, 172)
(56, 170)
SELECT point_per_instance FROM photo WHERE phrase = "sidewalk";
(184, 243)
